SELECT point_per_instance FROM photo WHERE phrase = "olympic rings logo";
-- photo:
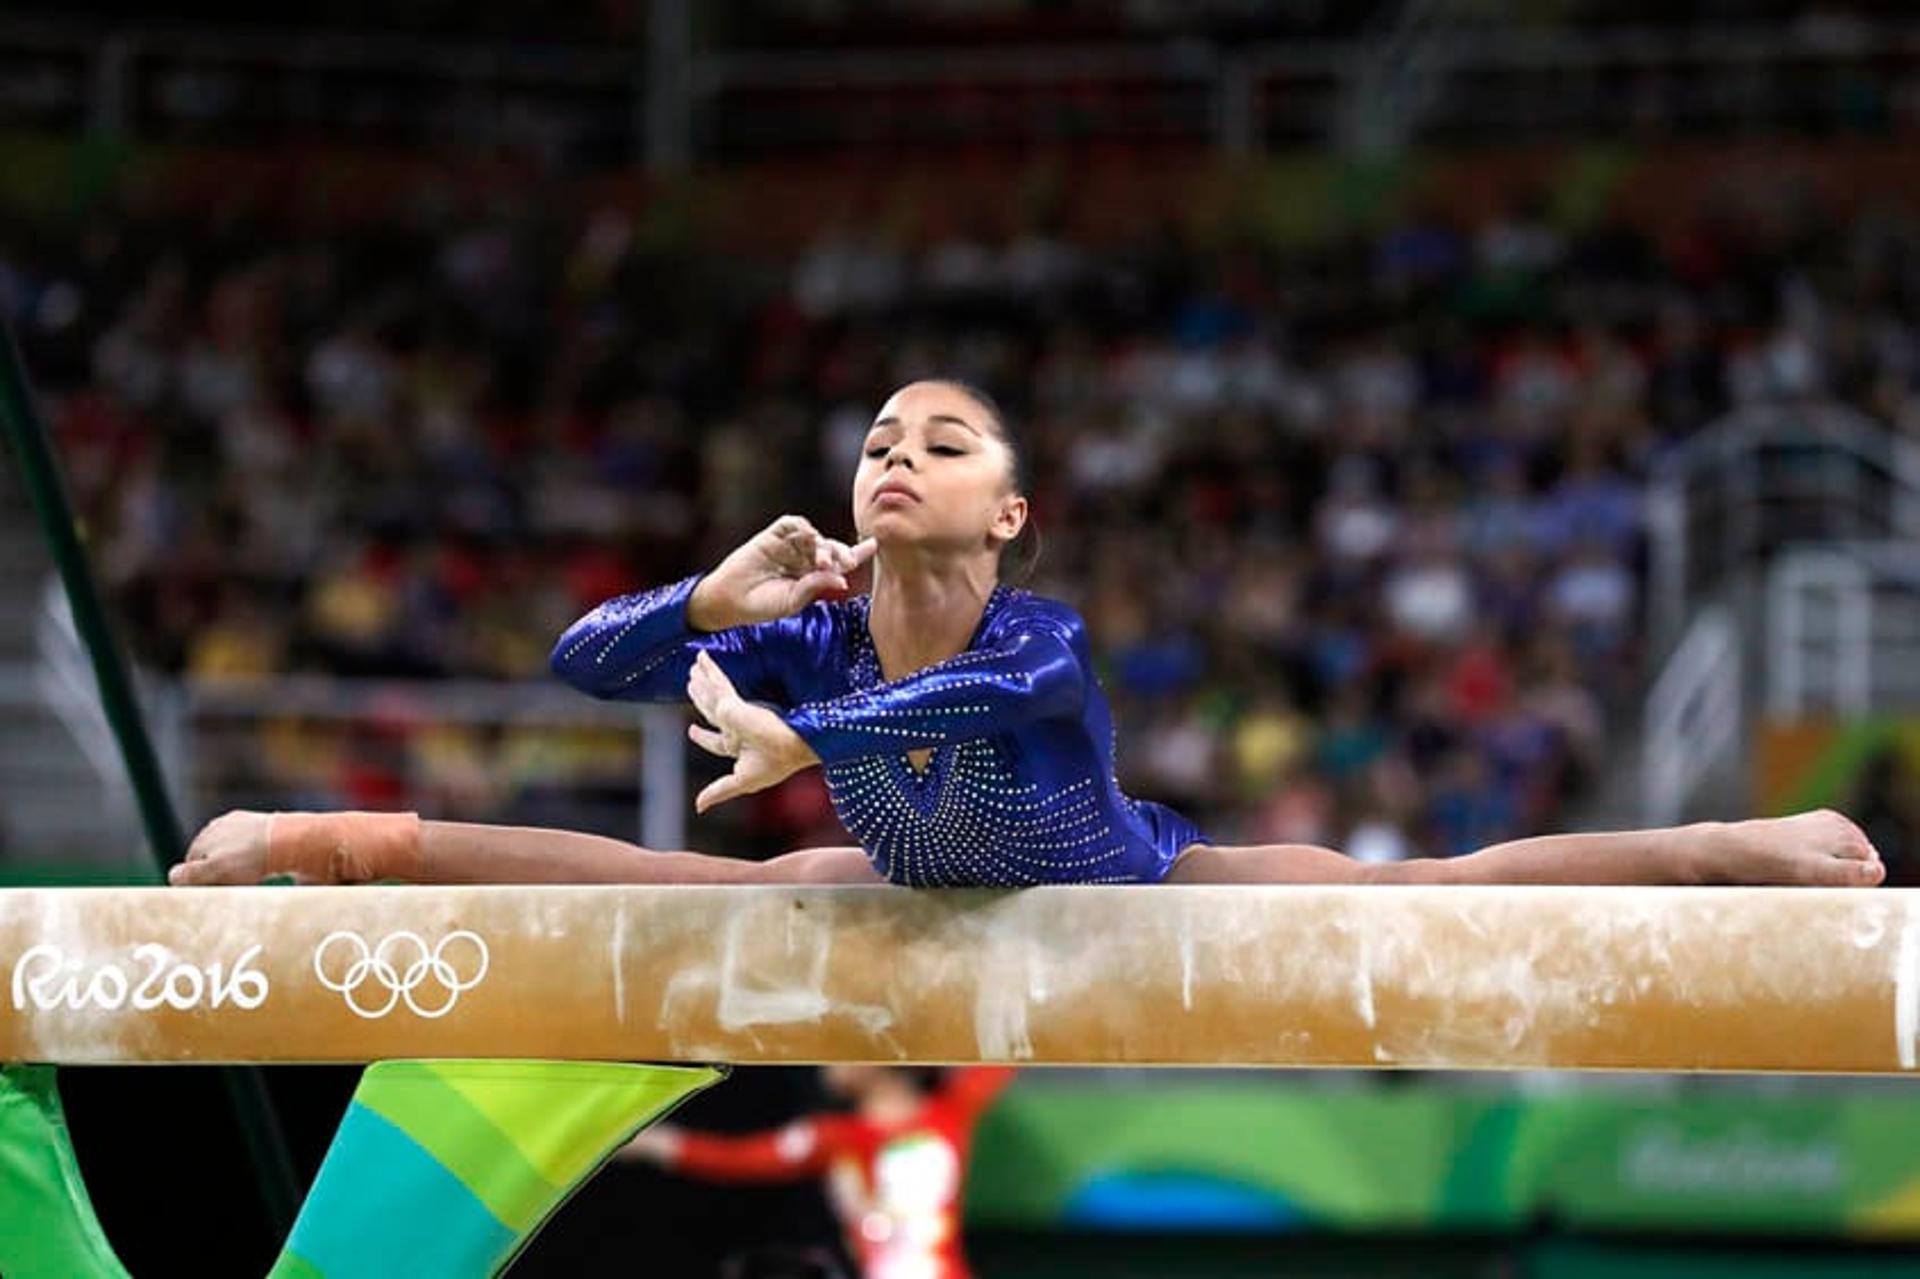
(400, 965)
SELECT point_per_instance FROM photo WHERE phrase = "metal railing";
(480, 751)
(1765, 480)
(1843, 630)
(517, 753)
(1819, 508)
(661, 103)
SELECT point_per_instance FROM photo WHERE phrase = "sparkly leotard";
(1020, 788)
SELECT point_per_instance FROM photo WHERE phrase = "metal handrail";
(1717, 472)
(1830, 641)
(661, 785)
(1468, 48)
(327, 697)
(1231, 74)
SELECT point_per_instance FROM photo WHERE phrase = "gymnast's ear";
(1010, 519)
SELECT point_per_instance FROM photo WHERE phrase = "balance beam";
(1475, 978)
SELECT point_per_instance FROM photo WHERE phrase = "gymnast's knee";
(813, 866)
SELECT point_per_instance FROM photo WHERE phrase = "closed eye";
(946, 450)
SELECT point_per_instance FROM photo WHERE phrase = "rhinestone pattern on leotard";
(968, 819)
(1019, 789)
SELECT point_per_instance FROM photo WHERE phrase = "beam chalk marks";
(1478, 978)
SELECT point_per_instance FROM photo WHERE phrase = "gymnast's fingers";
(842, 558)
(797, 546)
(791, 529)
(708, 740)
(719, 792)
(701, 691)
(719, 687)
(714, 697)
(820, 585)
(832, 555)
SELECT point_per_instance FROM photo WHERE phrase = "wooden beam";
(1480, 978)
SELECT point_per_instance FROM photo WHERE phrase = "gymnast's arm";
(639, 648)
(1033, 673)
(751, 612)
(971, 1089)
(799, 1152)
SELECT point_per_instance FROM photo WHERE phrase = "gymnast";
(964, 738)
(895, 1167)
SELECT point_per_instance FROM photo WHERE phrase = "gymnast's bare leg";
(465, 853)
(346, 848)
(1818, 849)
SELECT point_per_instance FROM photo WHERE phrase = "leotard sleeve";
(639, 648)
(1031, 669)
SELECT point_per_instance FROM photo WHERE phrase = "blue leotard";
(1020, 789)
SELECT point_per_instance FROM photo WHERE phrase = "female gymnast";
(964, 738)
(896, 1167)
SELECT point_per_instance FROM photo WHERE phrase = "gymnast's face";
(936, 475)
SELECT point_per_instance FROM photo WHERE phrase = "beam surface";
(1479, 978)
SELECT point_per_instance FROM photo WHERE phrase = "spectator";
(1314, 549)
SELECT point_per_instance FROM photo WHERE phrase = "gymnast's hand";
(230, 849)
(764, 751)
(659, 1144)
(783, 568)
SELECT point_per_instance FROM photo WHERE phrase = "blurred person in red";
(895, 1166)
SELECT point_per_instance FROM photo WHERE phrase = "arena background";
(1454, 420)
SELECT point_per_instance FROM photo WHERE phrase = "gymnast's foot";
(1822, 849)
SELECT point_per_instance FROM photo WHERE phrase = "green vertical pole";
(21, 422)
(164, 837)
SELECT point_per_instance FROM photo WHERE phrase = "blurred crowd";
(1357, 529)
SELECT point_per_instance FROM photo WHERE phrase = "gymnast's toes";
(1840, 872)
(1821, 848)
(1838, 839)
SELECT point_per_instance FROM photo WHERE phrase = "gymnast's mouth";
(893, 488)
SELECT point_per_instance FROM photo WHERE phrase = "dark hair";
(1027, 546)
(1002, 424)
